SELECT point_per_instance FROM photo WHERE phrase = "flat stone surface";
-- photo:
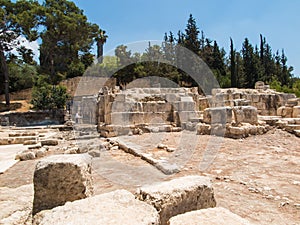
(7, 156)
(15, 207)
(218, 215)
(118, 207)
(61, 178)
(178, 196)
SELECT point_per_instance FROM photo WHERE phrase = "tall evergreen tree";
(232, 65)
(191, 36)
(247, 52)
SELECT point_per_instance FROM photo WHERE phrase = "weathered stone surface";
(203, 128)
(280, 111)
(61, 178)
(166, 167)
(296, 112)
(217, 115)
(218, 215)
(25, 155)
(245, 114)
(178, 196)
(41, 152)
(118, 207)
(287, 112)
(15, 204)
(30, 142)
(50, 142)
(94, 153)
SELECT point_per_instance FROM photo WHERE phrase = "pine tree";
(191, 36)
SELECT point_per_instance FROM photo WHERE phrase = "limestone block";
(287, 112)
(218, 129)
(217, 115)
(156, 107)
(51, 142)
(185, 116)
(120, 98)
(296, 112)
(218, 215)
(178, 196)
(255, 98)
(245, 114)
(236, 95)
(203, 128)
(280, 111)
(120, 106)
(171, 98)
(114, 208)
(219, 97)
(216, 90)
(292, 102)
(61, 178)
(259, 85)
(120, 118)
(25, 155)
(186, 106)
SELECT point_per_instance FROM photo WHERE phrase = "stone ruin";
(232, 112)
(63, 199)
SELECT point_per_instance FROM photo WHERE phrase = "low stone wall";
(20, 95)
(32, 118)
(266, 101)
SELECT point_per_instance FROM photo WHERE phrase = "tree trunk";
(5, 75)
(100, 51)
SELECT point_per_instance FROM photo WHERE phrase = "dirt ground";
(257, 178)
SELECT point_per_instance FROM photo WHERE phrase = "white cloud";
(34, 46)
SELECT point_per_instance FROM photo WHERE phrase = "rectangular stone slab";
(218, 215)
(178, 196)
(116, 208)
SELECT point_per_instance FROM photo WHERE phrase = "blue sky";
(138, 20)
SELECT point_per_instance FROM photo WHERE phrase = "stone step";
(16, 140)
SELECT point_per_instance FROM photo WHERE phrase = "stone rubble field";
(251, 181)
(160, 156)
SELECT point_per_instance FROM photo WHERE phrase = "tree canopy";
(64, 34)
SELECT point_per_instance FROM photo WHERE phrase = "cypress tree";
(233, 77)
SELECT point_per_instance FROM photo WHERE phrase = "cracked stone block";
(61, 178)
(178, 196)
(217, 115)
(114, 208)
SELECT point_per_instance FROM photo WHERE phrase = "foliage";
(15, 19)
(67, 38)
(46, 96)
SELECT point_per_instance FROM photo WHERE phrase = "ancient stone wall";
(32, 118)
(266, 101)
